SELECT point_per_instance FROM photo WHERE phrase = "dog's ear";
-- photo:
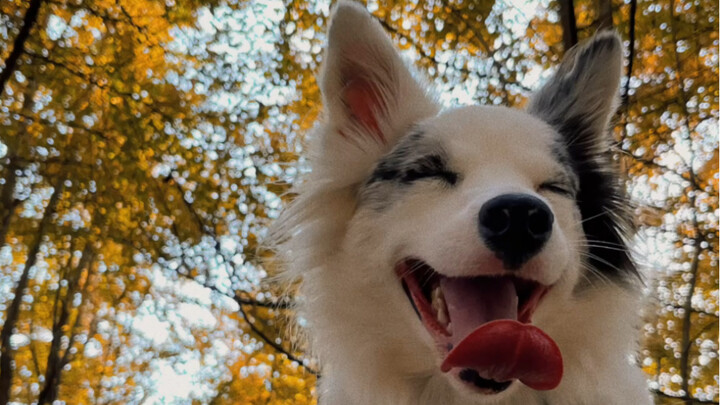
(582, 96)
(367, 89)
(579, 102)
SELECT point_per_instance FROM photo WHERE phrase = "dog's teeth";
(438, 304)
(442, 318)
(437, 298)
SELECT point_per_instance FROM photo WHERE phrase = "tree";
(114, 117)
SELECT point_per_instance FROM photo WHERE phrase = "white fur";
(362, 328)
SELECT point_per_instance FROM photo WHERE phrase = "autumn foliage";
(146, 145)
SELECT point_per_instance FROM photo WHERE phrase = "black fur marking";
(577, 103)
(415, 158)
(562, 156)
(604, 207)
(428, 167)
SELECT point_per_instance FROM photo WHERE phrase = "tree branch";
(8, 203)
(241, 302)
(274, 345)
(683, 398)
(12, 313)
(237, 298)
(605, 20)
(631, 48)
(29, 20)
(569, 25)
(694, 310)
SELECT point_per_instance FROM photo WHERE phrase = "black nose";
(515, 227)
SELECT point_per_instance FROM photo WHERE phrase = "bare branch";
(569, 25)
(13, 311)
(29, 20)
(631, 48)
(241, 302)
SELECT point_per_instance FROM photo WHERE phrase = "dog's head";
(447, 243)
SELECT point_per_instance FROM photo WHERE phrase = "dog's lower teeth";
(438, 304)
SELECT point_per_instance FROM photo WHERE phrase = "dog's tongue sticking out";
(487, 337)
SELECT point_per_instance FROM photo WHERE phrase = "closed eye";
(429, 167)
(558, 187)
(413, 175)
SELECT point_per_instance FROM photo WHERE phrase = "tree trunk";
(686, 343)
(569, 25)
(29, 20)
(13, 311)
(8, 203)
(7, 198)
(605, 20)
(55, 363)
(631, 58)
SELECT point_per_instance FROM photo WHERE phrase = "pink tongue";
(487, 337)
(472, 302)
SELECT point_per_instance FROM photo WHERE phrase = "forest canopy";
(145, 147)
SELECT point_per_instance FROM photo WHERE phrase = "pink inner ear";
(363, 102)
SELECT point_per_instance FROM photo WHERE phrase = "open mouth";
(482, 325)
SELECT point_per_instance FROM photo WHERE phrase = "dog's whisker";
(613, 248)
(599, 243)
(584, 220)
(599, 276)
(602, 242)
(601, 260)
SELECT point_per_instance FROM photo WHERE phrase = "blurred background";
(146, 145)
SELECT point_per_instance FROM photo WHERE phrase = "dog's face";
(478, 191)
(473, 216)
(456, 238)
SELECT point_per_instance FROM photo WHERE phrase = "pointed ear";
(578, 102)
(367, 89)
(582, 96)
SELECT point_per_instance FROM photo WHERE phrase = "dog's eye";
(558, 188)
(429, 167)
(413, 175)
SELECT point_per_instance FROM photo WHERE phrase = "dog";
(475, 255)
